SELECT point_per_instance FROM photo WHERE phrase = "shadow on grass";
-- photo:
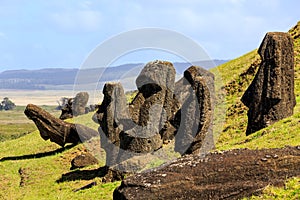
(83, 174)
(38, 155)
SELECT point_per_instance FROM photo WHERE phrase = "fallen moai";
(270, 97)
(57, 130)
(232, 174)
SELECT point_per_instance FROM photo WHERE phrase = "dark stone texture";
(108, 115)
(66, 111)
(75, 106)
(270, 97)
(225, 175)
(154, 116)
(152, 107)
(83, 160)
(80, 101)
(57, 130)
(195, 93)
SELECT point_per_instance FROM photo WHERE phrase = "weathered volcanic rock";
(152, 108)
(83, 160)
(66, 111)
(155, 104)
(195, 92)
(270, 97)
(80, 101)
(57, 130)
(108, 115)
(127, 131)
(75, 106)
(157, 113)
(227, 175)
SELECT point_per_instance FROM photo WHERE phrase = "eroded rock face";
(195, 92)
(159, 111)
(127, 131)
(57, 130)
(227, 175)
(108, 115)
(270, 97)
(79, 103)
(75, 106)
(152, 107)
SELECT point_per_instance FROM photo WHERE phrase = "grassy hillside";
(45, 167)
(237, 75)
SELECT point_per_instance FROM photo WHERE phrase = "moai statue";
(270, 97)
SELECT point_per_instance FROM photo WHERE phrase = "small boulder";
(83, 160)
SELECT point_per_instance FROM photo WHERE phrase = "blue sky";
(61, 33)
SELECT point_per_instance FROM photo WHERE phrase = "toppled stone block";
(57, 130)
(270, 97)
(233, 174)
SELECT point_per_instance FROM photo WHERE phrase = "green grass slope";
(237, 75)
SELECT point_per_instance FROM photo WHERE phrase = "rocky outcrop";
(270, 97)
(75, 106)
(225, 175)
(57, 130)
(195, 93)
(83, 160)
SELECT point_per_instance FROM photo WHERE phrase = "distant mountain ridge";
(59, 78)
